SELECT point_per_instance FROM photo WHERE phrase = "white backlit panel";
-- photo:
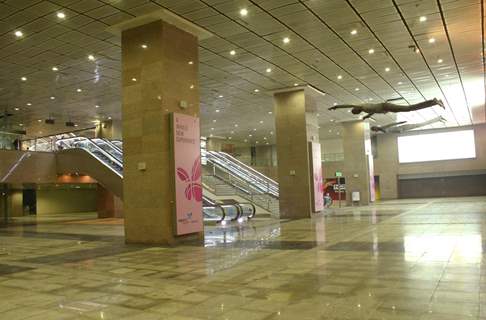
(437, 146)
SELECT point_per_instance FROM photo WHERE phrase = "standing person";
(16, 144)
(327, 200)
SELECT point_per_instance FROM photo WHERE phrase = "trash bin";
(355, 197)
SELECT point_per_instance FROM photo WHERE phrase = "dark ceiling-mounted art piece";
(400, 127)
(385, 107)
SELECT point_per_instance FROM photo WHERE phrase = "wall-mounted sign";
(186, 145)
(339, 174)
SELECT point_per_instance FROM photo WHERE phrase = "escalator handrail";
(255, 184)
(221, 208)
(252, 206)
(117, 153)
(106, 154)
(265, 183)
(249, 168)
(114, 146)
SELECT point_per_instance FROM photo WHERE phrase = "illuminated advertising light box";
(187, 178)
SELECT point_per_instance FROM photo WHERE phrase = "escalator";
(242, 175)
(103, 160)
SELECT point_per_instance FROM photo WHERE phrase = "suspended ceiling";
(355, 51)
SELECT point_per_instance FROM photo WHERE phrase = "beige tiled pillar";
(296, 125)
(358, 161)
(159, 70)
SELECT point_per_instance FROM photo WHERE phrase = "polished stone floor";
(407, 259)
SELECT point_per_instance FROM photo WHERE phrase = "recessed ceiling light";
(39, 120)
(271, 133)
(134, 79)
(19, 33)
(214, 120)
(220, 96)
(296, 84)
(245, 140)
(250, 135)
(79, 90)
(211, 136)
(354, 32)
(356, 89)
(16, 109)
(432, 40)
(268, 70)
(371, 51)
(387, 69)
(21, 124)
(91, 57)
(261, 121)
(244, 12)
(232, 52)
(23, 78)
(417, 50)
(61, 15)
(270, 112)
(254, 129)
(217, 110)
(286, 40)
(232, 132)
(52, 97)
(256, 90)
(191, 86)
(109, 118)
(144, 46)
(191, 62)
(236, 125)
(55, 69)
(264, 138)
(212, 128)
(75, 124)
(97, 106)
(423, 19)
(229, 138)
(29, 104)
(335, 103)
(339, 77)
(400, 83)
(440, 61)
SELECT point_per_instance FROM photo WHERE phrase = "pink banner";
(317, 192)
(187, 166)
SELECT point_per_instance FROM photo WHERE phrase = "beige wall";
(110, 129)
(52, 201)
(14, 203)
(27, 167)
(388, 168)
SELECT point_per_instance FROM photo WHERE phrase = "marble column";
(159, 76)
(358, 161)
(296, 125)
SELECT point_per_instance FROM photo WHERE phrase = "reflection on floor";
(415, 259)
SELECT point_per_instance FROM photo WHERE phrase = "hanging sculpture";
(400, 127)
(385, 107)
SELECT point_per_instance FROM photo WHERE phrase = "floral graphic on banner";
(194, 188)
